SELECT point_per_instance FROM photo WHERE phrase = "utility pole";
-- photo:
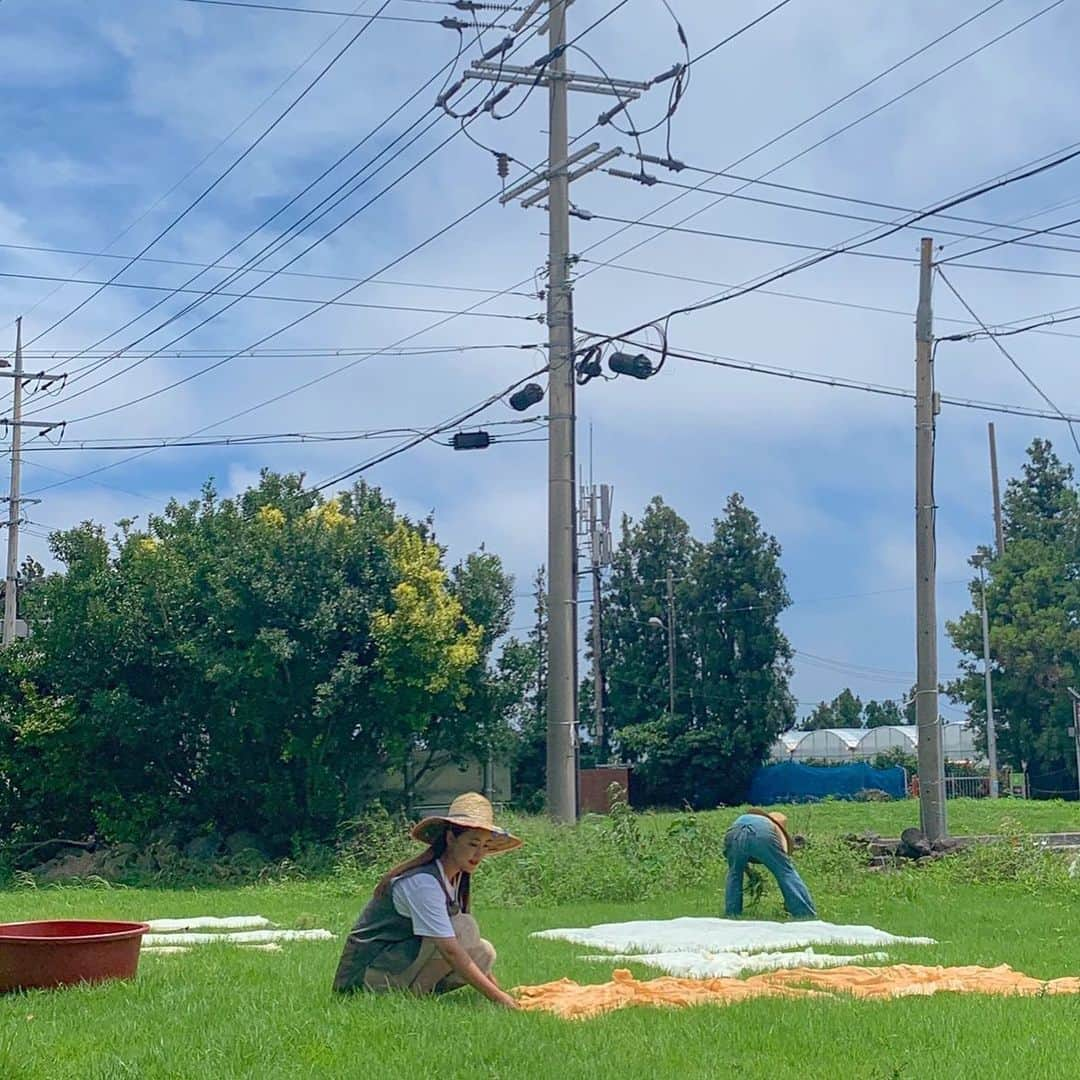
(1074, 731)
(595, 517)
(671, 642)
(991, 730)
(999, 531)
(550, 70)
(931, 793)
(562, 534)
(15, 501)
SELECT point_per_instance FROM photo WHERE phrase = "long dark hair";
(434, 851)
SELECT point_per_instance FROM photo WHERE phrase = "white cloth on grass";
(731, 965)
(244, 937)
(421, 899)
(717, 948)
(209, 922)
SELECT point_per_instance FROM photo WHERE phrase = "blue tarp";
(792, 782)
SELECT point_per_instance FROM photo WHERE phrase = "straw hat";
(780, 821)
(470, 811)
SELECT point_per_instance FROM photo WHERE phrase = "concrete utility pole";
(553, 185)
(999, 531)
(595, 521)
(11, 579)
(1074, 731)
(991, 730)
(931, 785)
(12, 627)
(671, 642)
(562, 535)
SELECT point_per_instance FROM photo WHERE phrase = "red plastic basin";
(60, 952)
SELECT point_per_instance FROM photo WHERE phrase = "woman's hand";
(506, 1000)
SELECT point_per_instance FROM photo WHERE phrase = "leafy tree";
(844, 711)
(885, 713)
(732, 699)
(529, 722)
(251, 663)
(1033, 600)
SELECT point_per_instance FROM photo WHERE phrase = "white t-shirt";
(421, 899)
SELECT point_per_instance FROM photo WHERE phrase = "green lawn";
(220, 1013)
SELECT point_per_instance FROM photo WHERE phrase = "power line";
(650, 180)
(1017, 240)
(429, 434)
(298, 226)
(434, 286)
(738, 33)
(173, 291)
(302, 225)
(202, 161)
(285, 438)
(828, 108)
(222, 176)
(853, 246)
(833, 302)
(1012, 360)
(251, 5)
(840, 382)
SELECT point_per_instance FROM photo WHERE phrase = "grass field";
(222, 1013)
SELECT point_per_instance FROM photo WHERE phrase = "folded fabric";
(209, 922)
(573, 1001)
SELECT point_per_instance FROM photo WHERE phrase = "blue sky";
(109, 105)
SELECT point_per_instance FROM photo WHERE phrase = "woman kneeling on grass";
(416, 932)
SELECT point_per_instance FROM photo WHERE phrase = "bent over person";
(761, 837)
(416, 933)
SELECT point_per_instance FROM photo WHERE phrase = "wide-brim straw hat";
(469, 811)
(780, 821)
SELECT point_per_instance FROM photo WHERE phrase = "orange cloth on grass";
(573, 1001)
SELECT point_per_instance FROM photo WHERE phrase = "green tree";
(635, 650)
(1033, 600)
(844, 711)
(732, 699)
(885, 713)
(251, 663)
(529, 720)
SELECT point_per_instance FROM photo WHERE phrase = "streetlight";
(979, 559)
(669, 626)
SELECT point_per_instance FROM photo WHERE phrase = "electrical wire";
(286, 438)
(303, 223)
(855, 245)
(1017, 240)
(425, 436)
(251, 5)
(851, 305)
(834, 104)
(435, 286)
(199, 164)
(306, 224)
(843, 383)
(173, 291)
(1012, 360)
(651, 180)
(251, 147)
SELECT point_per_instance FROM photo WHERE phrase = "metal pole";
(11, 580)
(671, 642)
(1076, 731)
(562, 553)
(991, 731)
(999, 530)
(598, 667)
(931, 795)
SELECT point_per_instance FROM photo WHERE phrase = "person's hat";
(780, 821)
(469, 811)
